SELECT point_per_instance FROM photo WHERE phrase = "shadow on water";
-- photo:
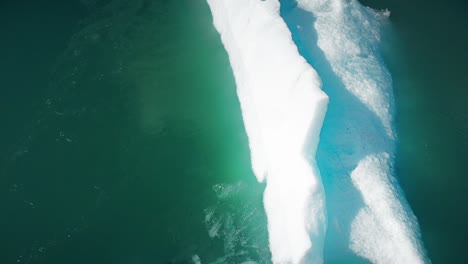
(344, 140)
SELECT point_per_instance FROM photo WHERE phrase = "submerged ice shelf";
(371, 218)
(283, 108)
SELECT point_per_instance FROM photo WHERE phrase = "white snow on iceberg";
(283, 109)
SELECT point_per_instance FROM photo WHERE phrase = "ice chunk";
(382, 231)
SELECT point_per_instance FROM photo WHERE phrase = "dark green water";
(428, 59)
(122, 138)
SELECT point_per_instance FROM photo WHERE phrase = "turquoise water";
(122, 139)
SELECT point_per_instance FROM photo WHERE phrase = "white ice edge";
(283, 109)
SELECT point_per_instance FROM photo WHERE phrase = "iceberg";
(283, 108)
(369, 217)
(284, 59)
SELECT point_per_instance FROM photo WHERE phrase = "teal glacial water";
(122, 138)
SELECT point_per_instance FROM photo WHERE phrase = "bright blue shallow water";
(352, 131)
(424, 48)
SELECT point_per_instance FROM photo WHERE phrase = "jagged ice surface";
(283, 109)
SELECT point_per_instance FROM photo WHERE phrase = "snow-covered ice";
(283, 109)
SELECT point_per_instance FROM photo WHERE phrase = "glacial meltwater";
(233, 131)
